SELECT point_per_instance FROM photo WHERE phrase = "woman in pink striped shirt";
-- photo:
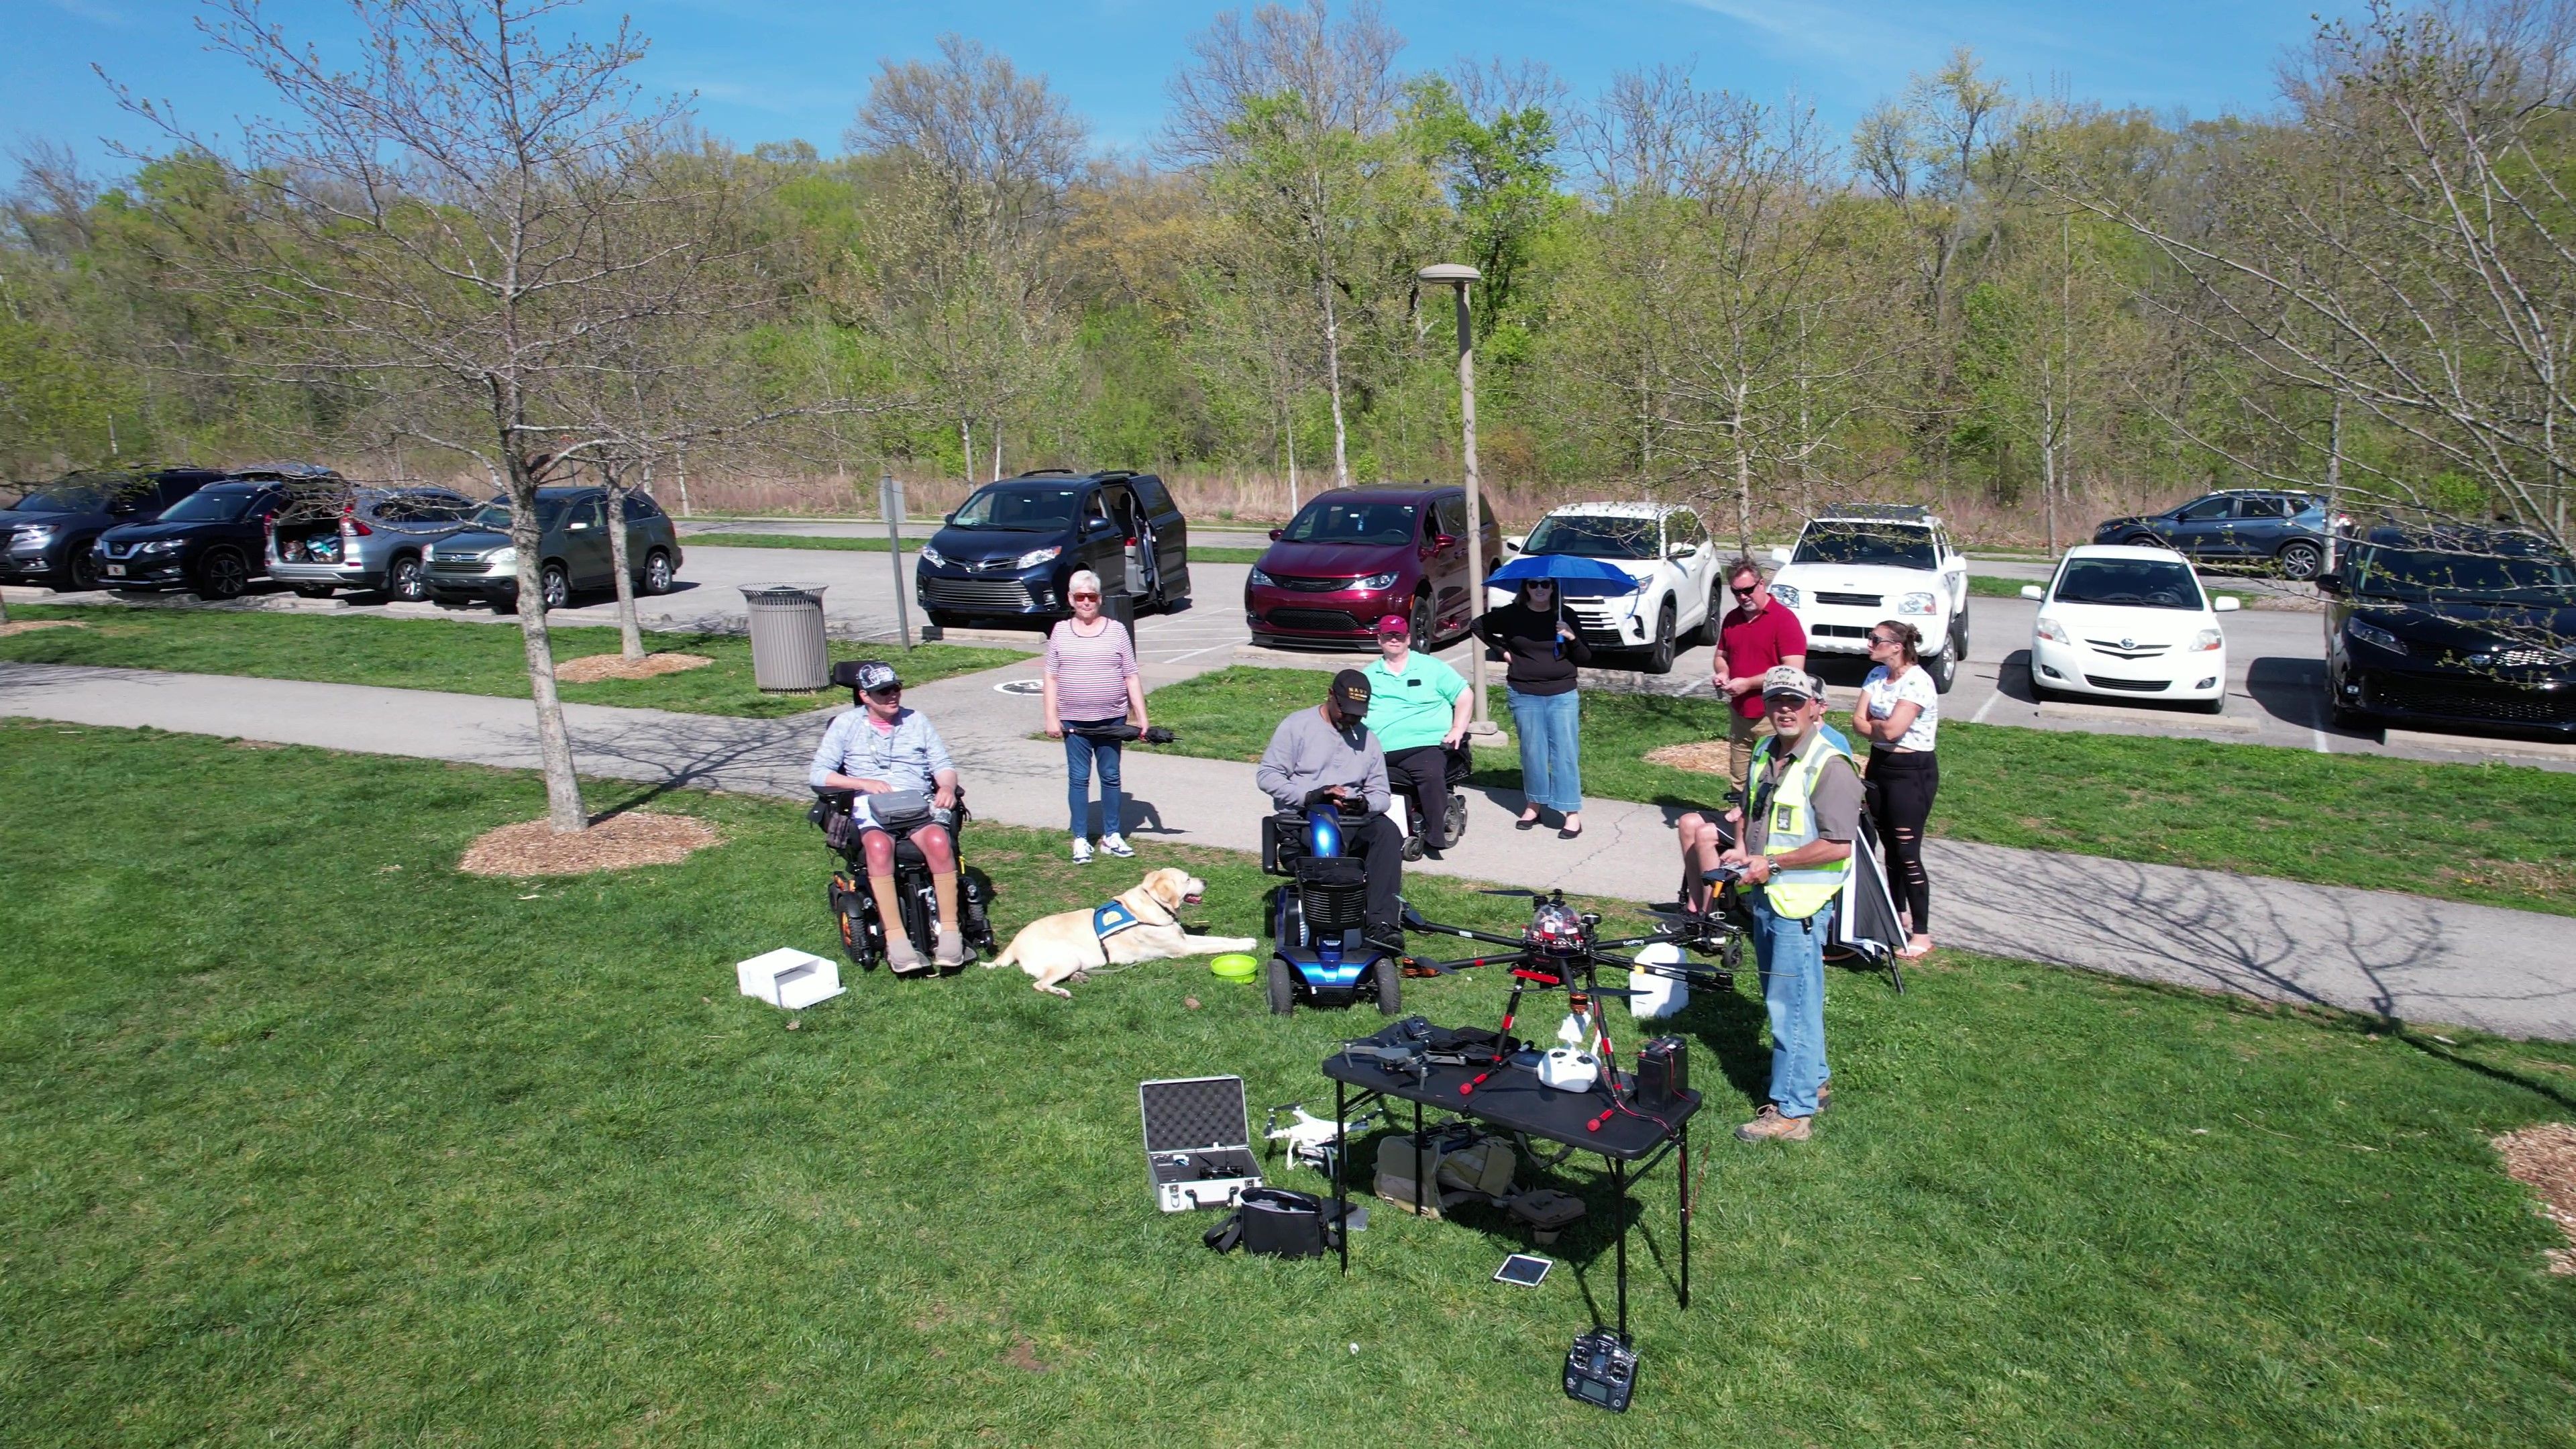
(1091, 681)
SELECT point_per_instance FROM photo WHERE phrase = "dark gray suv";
(363, 538)
(479, 563)
(2281, 527)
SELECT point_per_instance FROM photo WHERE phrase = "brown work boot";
(1770, 1126)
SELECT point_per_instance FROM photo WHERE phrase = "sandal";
(1526, 822)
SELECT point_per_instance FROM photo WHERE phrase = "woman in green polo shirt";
(1418, 708)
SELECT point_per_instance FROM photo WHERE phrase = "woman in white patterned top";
(1900, 714)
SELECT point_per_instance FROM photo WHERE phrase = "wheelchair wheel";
(1453, 828)
(850, 913)
(1283, 987)
(1390, 986)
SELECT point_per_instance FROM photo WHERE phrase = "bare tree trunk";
(1333, 375)
(1291, 434)
(2048, 449)
(1743, 477)
(630, 629)
(2334, 481)
(554, 744)
(997, 452)
(966, 451)
(684, 478)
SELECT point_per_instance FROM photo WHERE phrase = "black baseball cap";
(1351, 693)
(867, 676)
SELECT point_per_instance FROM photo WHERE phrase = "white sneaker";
(1117, 847)
(1081, 851)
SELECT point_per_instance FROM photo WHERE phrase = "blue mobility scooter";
(1318, 948)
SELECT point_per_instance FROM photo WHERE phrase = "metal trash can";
(787, 649)
(1120, 605)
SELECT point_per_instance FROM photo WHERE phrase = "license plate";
(116, 571)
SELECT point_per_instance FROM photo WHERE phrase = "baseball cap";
(1351, 692)
(1395, 624)
(867, 676)
(1782, 680)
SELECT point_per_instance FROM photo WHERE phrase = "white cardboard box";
(789, 978)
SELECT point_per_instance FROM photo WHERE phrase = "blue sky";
(777, 69)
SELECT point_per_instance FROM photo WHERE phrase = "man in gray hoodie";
(1327, 754)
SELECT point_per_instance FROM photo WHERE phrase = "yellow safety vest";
(1799, 893)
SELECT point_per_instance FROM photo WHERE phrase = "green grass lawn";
(1990, 586)
(311, 1139)
(441, 654)
(1198, 554)
(2502, 834)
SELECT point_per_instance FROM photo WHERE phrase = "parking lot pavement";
(2276, 656)
(920, 528)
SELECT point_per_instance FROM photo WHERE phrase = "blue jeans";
(1551, 728)
(1791, 954)
(1079, 752)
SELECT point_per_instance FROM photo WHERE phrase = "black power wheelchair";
(1437, 824)
(854, 906)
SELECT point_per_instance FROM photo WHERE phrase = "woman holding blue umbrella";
(1542, 652)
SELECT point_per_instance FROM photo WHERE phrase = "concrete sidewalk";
(2402, 956)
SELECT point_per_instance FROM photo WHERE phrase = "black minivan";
(1007, 552)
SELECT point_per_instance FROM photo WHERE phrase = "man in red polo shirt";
(1757, 634)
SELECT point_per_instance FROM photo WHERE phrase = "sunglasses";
(891, 691)
(1880, 639)
(1086, 598)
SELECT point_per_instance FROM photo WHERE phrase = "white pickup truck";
(1855, 567)
(1680, 598)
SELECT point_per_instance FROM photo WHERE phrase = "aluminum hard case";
(1198, 1142)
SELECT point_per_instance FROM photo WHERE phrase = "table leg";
(1417, 1159)
(1686, 1212)
(1341, 1172)
(1619, 1204)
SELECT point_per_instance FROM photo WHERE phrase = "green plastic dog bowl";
(1235, 966)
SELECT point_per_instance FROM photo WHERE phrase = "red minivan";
(1354, 555)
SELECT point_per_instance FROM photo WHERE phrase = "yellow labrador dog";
(1143, 924)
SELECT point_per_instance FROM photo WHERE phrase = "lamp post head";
(1458, 272)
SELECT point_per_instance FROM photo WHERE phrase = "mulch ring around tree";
(30, 626)
(592, 668)
(619, 842)
(1700, 757)
(2543, 1158)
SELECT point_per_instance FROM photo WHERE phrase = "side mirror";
(1514, 542)
(949, 517)
(2329, 584)
(1444, 542)
(2227, 603)
(575, 527)
(2033, 592)
(1277, 534)
(1681, 550)
(1779, 555)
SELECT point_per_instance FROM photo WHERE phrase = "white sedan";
(2129, 623)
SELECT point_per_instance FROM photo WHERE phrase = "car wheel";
(2345, 717)
(556, 587)
(1659, 659)
(1390, 986)
(1959, 637)
(83, 568)
(657, 573)
(2145, 540)
(405, 581)
(1708, 627)
(1944, 668)
(2301, 561)
(222, 575)
(1283, 987)
(2214, 706)
(1422, 623)
(313, 591)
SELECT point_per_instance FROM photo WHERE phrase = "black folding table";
(1514, 1100)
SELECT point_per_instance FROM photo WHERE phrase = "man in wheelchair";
(1327, 754)
(902, 786)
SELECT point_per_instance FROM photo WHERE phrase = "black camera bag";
(1278, 1222)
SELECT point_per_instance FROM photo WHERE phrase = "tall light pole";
(1459, 276)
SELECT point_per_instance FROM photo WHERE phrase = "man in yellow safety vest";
(1802, 805)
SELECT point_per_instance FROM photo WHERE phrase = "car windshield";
(2381, 572)
(64, 498)
(1337, 521)
(210, 505)
(1867, 543)
(1025, 507)
(1593, 535)
(495, 515)
(2144, 583)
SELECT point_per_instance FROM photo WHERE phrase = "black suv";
(45, 537)
(2452, 626)
(2287, 529)
(215, 540)
(1007, 552)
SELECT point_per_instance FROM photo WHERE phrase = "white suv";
(1665, 548)
(1855, 567)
